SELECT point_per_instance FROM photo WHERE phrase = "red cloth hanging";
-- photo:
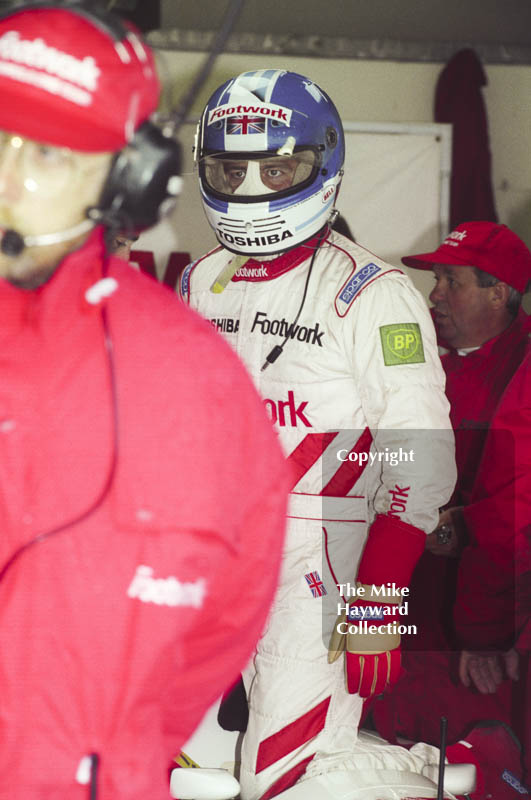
(459, 100)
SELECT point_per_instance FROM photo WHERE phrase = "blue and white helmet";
(270, 148)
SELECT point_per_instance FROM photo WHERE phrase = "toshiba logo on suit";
(225, 324)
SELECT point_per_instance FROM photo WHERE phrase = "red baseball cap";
(68, 82)
(488, 246)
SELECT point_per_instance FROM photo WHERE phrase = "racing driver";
(343, 352)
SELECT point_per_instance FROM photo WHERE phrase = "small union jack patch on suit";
(316, 586)
(245, 124)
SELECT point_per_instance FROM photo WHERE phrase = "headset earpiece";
(143, 182)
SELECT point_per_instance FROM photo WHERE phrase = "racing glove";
(373, 656)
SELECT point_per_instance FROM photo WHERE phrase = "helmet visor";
(249, 177)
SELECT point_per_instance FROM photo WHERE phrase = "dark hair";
(341, 226)
(514, 300)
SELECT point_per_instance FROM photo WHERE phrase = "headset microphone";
(13, 243)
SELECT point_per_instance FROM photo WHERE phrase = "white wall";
(508, 98)
(387, 91)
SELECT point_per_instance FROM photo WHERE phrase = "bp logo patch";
(402, 344)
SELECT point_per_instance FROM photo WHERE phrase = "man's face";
(44, 189)
(462, 309)
(253, 177)
(276, 174)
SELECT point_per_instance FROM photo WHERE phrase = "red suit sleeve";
(492, 606)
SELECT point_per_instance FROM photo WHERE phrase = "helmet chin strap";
(252, 183)
(13, 243)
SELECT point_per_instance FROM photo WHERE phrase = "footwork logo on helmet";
(280, 113)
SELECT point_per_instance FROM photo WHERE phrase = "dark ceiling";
(481, 21)
(500, 30)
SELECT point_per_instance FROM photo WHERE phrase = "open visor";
(244, 176)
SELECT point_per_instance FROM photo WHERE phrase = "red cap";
(488, 246)
(65, 81)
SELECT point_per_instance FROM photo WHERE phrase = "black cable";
(279, 348)
(93, 786)
(112, 467)
(94, 757)
(231, 15)
(442, 758)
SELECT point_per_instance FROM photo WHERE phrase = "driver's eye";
(235, 174)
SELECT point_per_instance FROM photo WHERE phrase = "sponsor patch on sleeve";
(353, 286)
(513, 781)
(185, 280)
(402, 344)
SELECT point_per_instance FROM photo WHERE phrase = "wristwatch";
(443, 533)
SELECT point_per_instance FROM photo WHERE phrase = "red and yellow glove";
(367, 633)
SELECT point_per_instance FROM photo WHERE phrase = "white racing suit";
(359, 369)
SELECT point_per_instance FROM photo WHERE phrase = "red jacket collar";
(504, 341)
(255, 270)
(63, 293)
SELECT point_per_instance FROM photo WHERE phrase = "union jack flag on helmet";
(245, 124)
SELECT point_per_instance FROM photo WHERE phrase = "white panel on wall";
(396, 186)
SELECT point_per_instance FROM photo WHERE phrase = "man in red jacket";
(142, 496)
(492, 617)
(481, 271)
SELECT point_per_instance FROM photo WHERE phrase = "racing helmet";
(270, 150)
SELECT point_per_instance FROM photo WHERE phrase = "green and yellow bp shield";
(402, 344)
